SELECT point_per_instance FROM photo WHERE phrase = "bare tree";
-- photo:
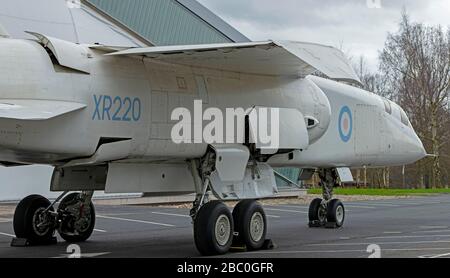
(416, 64)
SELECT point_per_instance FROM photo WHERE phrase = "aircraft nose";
(418, 149)
(422, 153)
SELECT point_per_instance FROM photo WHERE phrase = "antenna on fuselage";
(3, 32)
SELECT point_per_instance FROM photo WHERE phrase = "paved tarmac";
(409, 228)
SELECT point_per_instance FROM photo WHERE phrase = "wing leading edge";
(284, 58)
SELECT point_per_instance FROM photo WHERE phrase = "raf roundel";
(345, 124)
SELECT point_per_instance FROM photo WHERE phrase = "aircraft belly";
(167, 148)
(149, 178)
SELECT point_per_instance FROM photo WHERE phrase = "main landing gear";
(36, 220)
(327, 212)
(216, 229)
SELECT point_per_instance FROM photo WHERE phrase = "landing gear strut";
(35, 219)
(327, 212)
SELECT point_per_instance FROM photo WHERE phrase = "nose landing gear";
(327, 212)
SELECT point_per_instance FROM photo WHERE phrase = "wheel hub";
(257, 226)
(222, 230)
(322, 213)
(41, 223)
(83, 221)
(340, 214)
(77, 221)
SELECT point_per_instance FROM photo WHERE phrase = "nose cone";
(414, 147)
(407, 148)
(420, 150)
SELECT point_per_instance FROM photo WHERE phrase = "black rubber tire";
(81, 236)
(332, 209)
(23, 219)
(242, 215)
(314, 207)
(204, 229)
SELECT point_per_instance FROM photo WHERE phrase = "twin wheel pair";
(330, 214)
(216, 229)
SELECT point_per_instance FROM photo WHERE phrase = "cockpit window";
(387, 106)
(404, 118)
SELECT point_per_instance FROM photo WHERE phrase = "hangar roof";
(127, 23)
(64, 20)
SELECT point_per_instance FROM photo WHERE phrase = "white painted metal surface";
(68, 54)
(329, 60)
(291, 124)
(265, 58)
(345, 175)
(231, 162)
(162, 179)
(255, 185)
(26, 109)
(105, 153)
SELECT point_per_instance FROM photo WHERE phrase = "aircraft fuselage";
(133, 98)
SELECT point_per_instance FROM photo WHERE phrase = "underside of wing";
(284, 58)
(35, 110)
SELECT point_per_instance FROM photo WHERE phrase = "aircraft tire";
(68, 230)
(250, 224)
(336, 213)
(28, 215)
(316, 212)
(213, 229)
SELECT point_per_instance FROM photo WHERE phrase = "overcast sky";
(351, 23)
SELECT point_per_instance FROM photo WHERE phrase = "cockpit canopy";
(396, 111)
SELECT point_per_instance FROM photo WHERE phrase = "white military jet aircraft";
(103, 116)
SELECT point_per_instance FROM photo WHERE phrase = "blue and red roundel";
(345, 124)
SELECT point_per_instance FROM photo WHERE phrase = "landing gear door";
(275, 129)
(345, 174)
(231, 162)
(258, 182)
